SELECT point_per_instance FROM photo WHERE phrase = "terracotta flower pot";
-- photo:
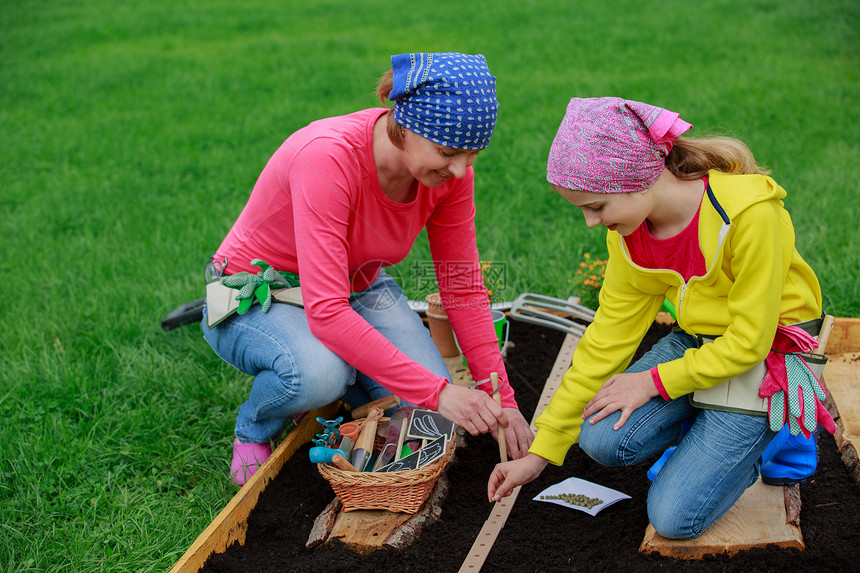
(440, 327)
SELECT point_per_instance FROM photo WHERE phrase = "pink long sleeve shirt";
(318, 210)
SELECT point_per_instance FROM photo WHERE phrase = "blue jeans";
(294, 372)
(714, 463)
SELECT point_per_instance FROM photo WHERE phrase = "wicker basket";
(403, 492)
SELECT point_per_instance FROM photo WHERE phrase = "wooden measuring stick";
(503, 449)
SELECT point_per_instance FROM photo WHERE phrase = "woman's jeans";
(714, 463)
(294, 372)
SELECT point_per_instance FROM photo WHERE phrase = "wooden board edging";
(845, 336)
(841, 378)
(231, 524)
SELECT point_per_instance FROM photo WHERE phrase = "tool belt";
(227, 295)
(221, 302)
(740, 394)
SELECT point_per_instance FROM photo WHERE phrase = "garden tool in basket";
(552, 312)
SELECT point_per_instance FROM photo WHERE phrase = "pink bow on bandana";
(794, 394)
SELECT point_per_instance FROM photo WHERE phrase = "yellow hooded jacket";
(755, 281)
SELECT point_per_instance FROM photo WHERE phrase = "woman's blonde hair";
(692, 157)
(383, 88)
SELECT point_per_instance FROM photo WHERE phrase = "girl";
(341, 199)
(697, 222)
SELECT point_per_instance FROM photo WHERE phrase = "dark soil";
(537, 536)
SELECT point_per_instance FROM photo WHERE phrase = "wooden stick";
(401, 438)
(503, 449)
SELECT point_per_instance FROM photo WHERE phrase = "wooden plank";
(842, 380)
(365, 530)
(845, 336)
(758, 519)
(499, 515)
(231, 525)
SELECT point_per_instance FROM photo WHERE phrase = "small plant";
(588, 279)
(494, 279)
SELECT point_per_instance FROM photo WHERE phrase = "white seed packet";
(576, 486)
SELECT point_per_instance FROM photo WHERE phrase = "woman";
(341, 199)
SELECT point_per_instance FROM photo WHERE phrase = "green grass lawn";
(132, 134)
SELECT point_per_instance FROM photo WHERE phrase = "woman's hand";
(624, 392)
(518, 434)
(473, 410)
(507, 476)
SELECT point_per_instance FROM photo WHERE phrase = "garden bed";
(537, 536)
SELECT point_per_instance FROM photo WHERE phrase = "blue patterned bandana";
(448, 98)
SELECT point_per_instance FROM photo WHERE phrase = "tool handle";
(364, 444)
(366, 437)
(340, 461)
(383, 403)
(319, 454)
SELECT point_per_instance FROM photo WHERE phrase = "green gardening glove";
(257, 286)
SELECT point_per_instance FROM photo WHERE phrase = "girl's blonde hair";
(383, 88)
(691, 158)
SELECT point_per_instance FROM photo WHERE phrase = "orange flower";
(494, 278)
(589, 277)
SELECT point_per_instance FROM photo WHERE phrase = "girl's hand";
(518, 435)
(471, 409)
(624, 392)
(507, 476)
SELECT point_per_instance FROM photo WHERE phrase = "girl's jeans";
(714, 463)
(294, 372)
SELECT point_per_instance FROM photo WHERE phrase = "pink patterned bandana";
(612, 145)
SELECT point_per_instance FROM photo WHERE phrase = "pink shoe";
(246, 459)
